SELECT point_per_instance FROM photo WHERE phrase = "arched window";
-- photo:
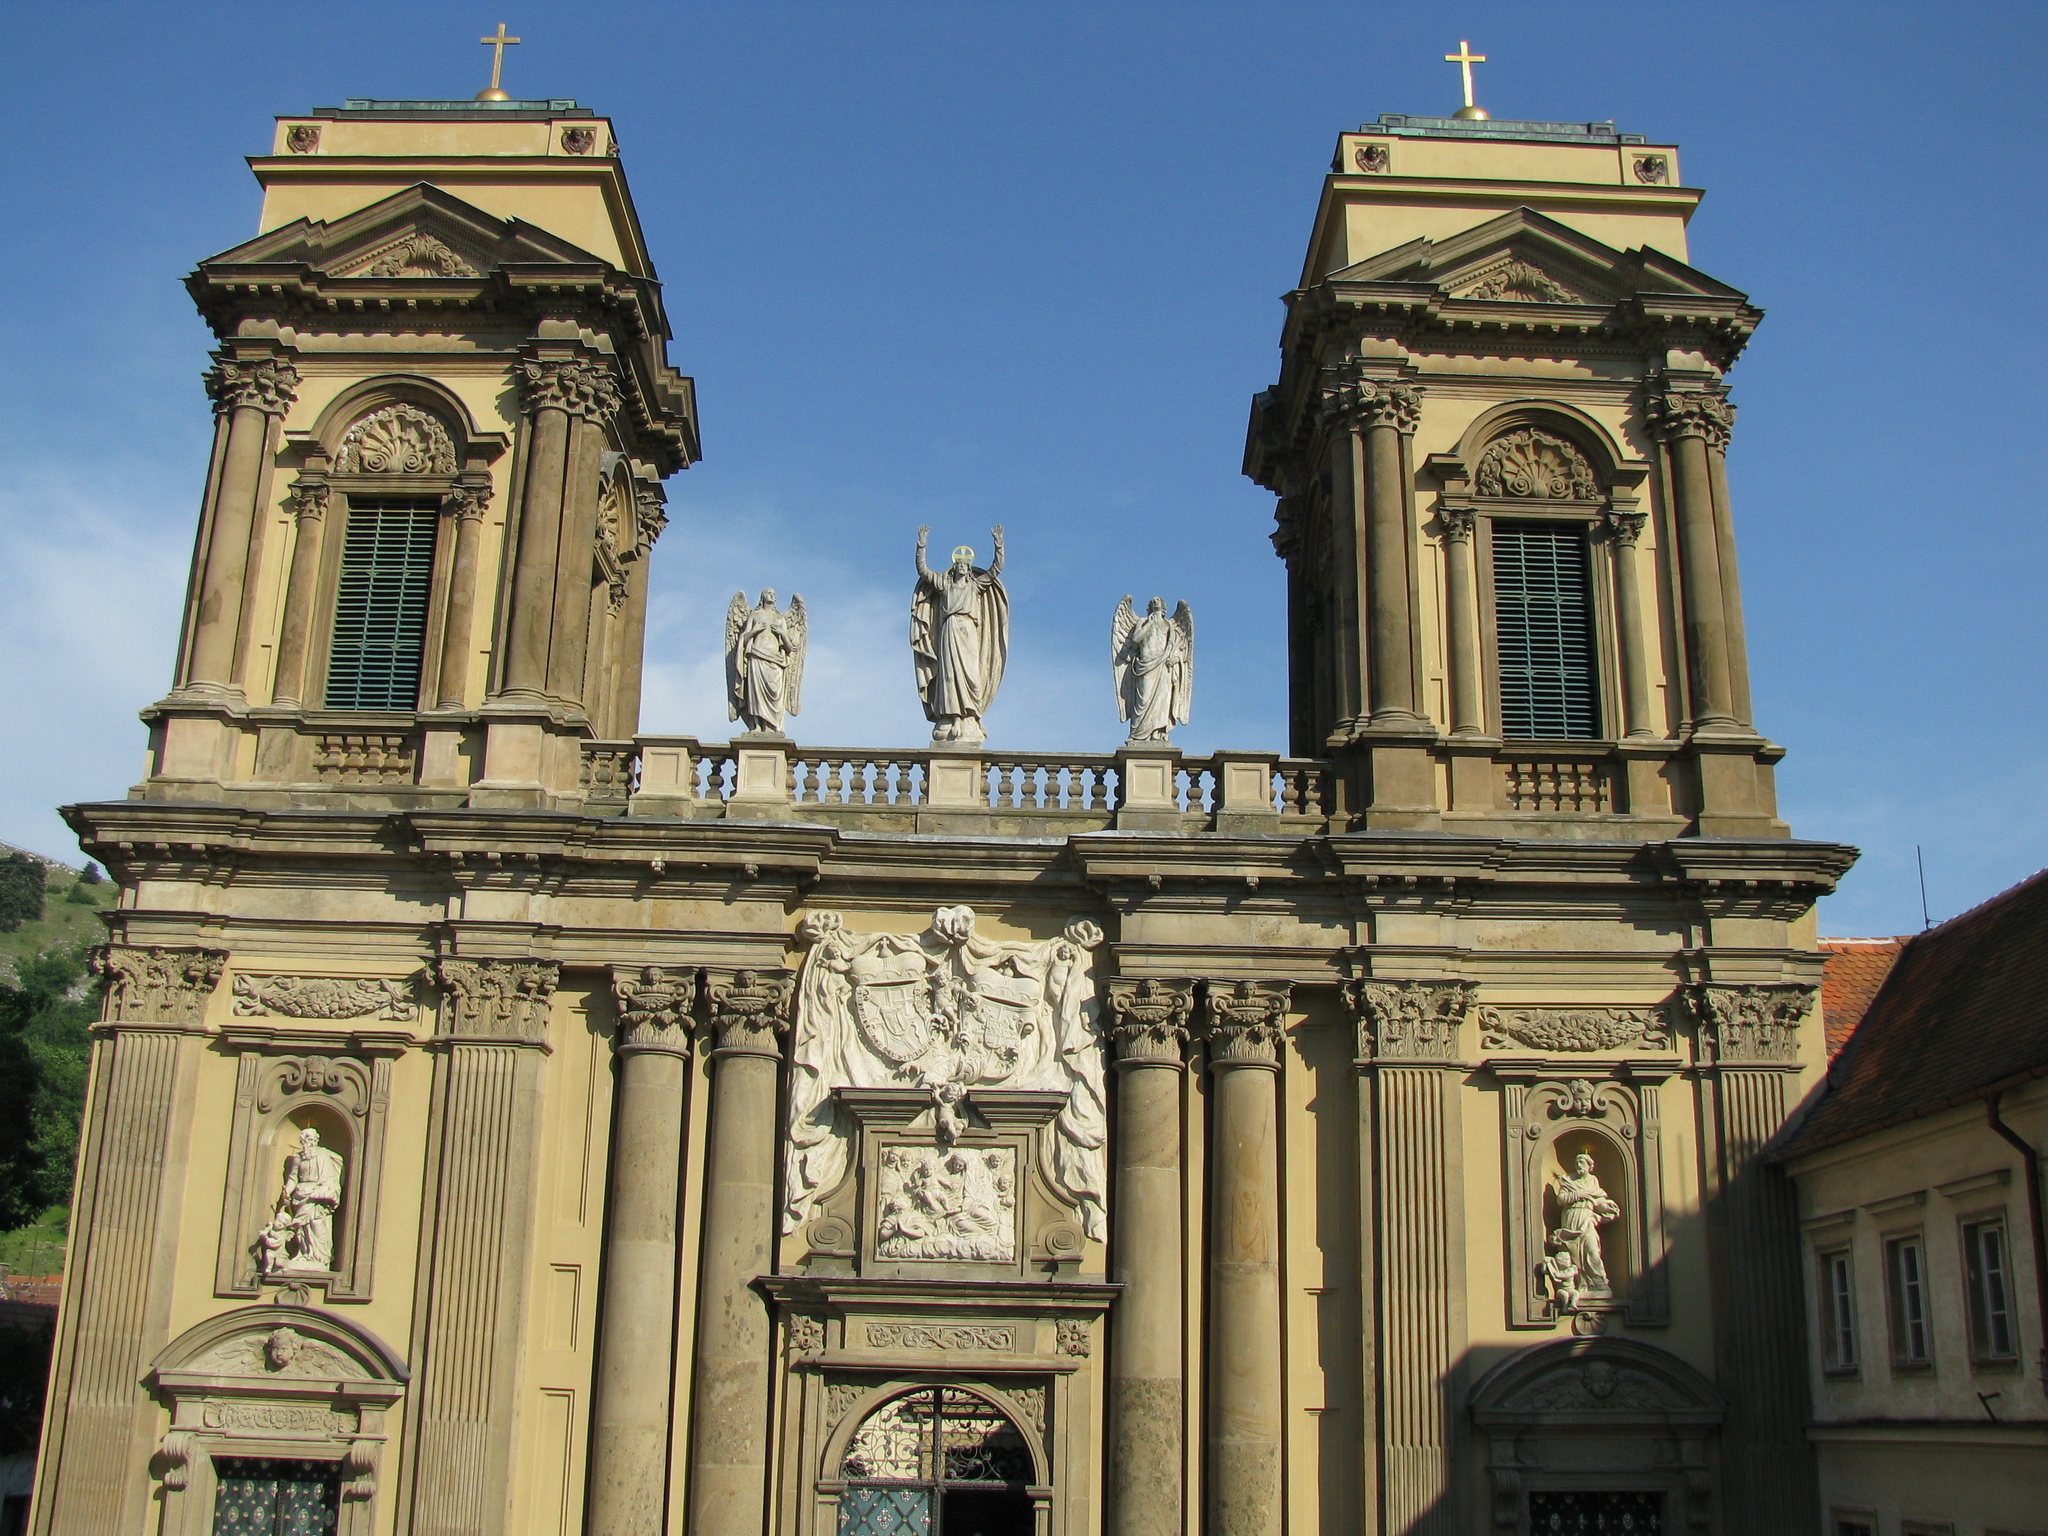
(939, 1461)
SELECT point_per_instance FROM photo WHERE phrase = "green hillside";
(70, 919)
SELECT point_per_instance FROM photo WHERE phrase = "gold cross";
(498, 45)
(1464, 58)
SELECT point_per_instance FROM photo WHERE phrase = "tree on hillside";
(21, 890)
(45, 1042)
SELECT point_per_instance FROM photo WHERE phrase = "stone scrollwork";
(1149, 1018)
(1524, 281)
(157, 986)
(654, 1007)
(569, 384)
(1415, 1020)
(396, 439)
(945, 1012)
(1573, 1029)
(325, 997)
(419, 255)
(267, 384)
(1756, 1023)
(497, 999)
(1532, 464)
(1245, 1020)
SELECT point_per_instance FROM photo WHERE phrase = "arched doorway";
(937, 1461)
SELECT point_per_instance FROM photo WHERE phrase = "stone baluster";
(248, 395)
(309, 501)
(1243, 1023)
(1692, 424)
(101, 1427)
(636, 1323)
(1147, 1393)
(1467, 714)
(1626, 528)
(729, 1420)
(465, 504)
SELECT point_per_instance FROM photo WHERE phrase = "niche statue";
(299, 1238)
(959, 640)
(1584, 1207)
(764, 661)
(1154, 663)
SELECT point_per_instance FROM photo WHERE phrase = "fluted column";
(1468, 717)
(1245, 1376)
(309, 501)
(1147, 1395)
(101, 1425)
(1690, 422)
(1750, 1035)
(1625, 528)
(729, 1425)
(470, 1330)
(1412, 1208)
(246, 395)
(629, 1422)
(466, 504)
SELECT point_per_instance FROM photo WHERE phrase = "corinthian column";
(1412, 1197)
(309, 510)
(636, 1320)
(1467, 716)
(465, 503)
(1691, 422)
(246, 395)
(729, 1426)
(1626, 528)
(1147, 1396)
(1387, 413)
(1243, 1025)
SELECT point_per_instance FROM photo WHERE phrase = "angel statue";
(764, 661)
(959, 640)
(1154, 661)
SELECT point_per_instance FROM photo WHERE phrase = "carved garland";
(1573, 1029)
(397, 440)
(325, 997)
(420, 255)
(1520, 280)
(1536, 465)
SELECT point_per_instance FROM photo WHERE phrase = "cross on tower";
(1464, 58)
(501, 42)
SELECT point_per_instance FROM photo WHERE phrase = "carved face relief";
(579, 141)
(1652, 168)
(1371, 158)
(281, 1347)
(302, 138)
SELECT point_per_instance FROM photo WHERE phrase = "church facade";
(505, 1122)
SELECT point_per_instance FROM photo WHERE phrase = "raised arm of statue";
(924, 572)
(995, 566)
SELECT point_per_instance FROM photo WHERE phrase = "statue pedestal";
(1148, 789)
(956, 780)
(760, 789)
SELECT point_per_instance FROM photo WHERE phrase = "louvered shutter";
(380, 607)
(1543, 609)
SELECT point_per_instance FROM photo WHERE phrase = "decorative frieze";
(1408, 1020)
(1534, 465)
(1244, 1020)
(496, 999)
(1692, 413)
(1573, 1029)
(268, 384)
(654, 1008)
(1755, 1023)
(577, 387)
(325, 997)
(398, 439)
(750, 1014)
(1149, 1018)
(147, 985)
(996, 1339)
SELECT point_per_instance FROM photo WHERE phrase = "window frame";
(1586, 518)
(1898, 1321)
(1838, 1312)
(1977, 1314)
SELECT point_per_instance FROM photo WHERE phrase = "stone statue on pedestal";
(960, 640)
(1154, 662)
(764, 661)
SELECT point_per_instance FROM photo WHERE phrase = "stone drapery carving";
(948, 1012)
(1153, 660)
(750, 1013)
(496, 999)
(568, 384)
(1244, 1020)
(157, 986)
(1573, 1029)
(325, 997)
(948, 1203)
(764, 660)
(1752, 1023)
(299, 1237)
(959, 640)
(654, 1007)
(1523, 281)
(1706, 413)
(1349, 396)
(419, 255)
(1149, 1018)
(397, 439)
(1413, 1019)
(1532, 464)
(268, 384)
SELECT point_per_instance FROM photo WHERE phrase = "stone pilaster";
(101, 1425)
(309, 502)
(469, 1322)
(1147, 1393)
(1749, 1037)
(1243, 1023)
(729, 1420)
(464, 505)
(629, 1428)
(1692, 423)
(1412, 1216)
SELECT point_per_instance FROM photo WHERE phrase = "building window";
(938, 1462)
(1989, 1265)
(1838, 1310)
(380, 607)
(261, 1497)
(1543, 626)
(1906, 1268)
(1605, 1513)
(1855, 1525)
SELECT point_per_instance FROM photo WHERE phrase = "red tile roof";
(1963, 1010)
(1850, 977)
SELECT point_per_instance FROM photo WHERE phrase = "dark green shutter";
(380, 606)
(1543, 613)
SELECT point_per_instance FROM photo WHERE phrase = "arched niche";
(1586, 1421)
(277, 1384)
(903, 1449)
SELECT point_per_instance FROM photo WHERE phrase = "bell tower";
(1499, 440)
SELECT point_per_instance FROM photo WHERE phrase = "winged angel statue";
(1154, 660)
(764, 660)
(948, 1012)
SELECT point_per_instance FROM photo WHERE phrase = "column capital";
(308, 499)
(750, 1012)
(1408, 1020)
(1750, 1023)
(574, 385)
(1243, 1022)
(149, 985)
(1703, 413)
(1458, 523)
(267, 384)
(1349, 396)
(1149, 1018)
(654, 1005)
(503, 1000)
(1624, 527)
(650, 505)
(467, 503)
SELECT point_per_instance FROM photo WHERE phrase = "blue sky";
(973, 263)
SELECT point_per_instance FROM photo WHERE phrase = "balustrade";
(364, 758)
(1537, 784)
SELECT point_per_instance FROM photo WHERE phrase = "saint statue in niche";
(1584, 1207)
(764, 661)
(1154, 661)
(959, 640)
(299, 1237)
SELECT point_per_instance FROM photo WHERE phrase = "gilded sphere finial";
(1471, 114)
(492, 93)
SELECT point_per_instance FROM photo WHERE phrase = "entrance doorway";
(939, 1461)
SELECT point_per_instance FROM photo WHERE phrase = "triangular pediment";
(419, 232)
(1526, 257)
